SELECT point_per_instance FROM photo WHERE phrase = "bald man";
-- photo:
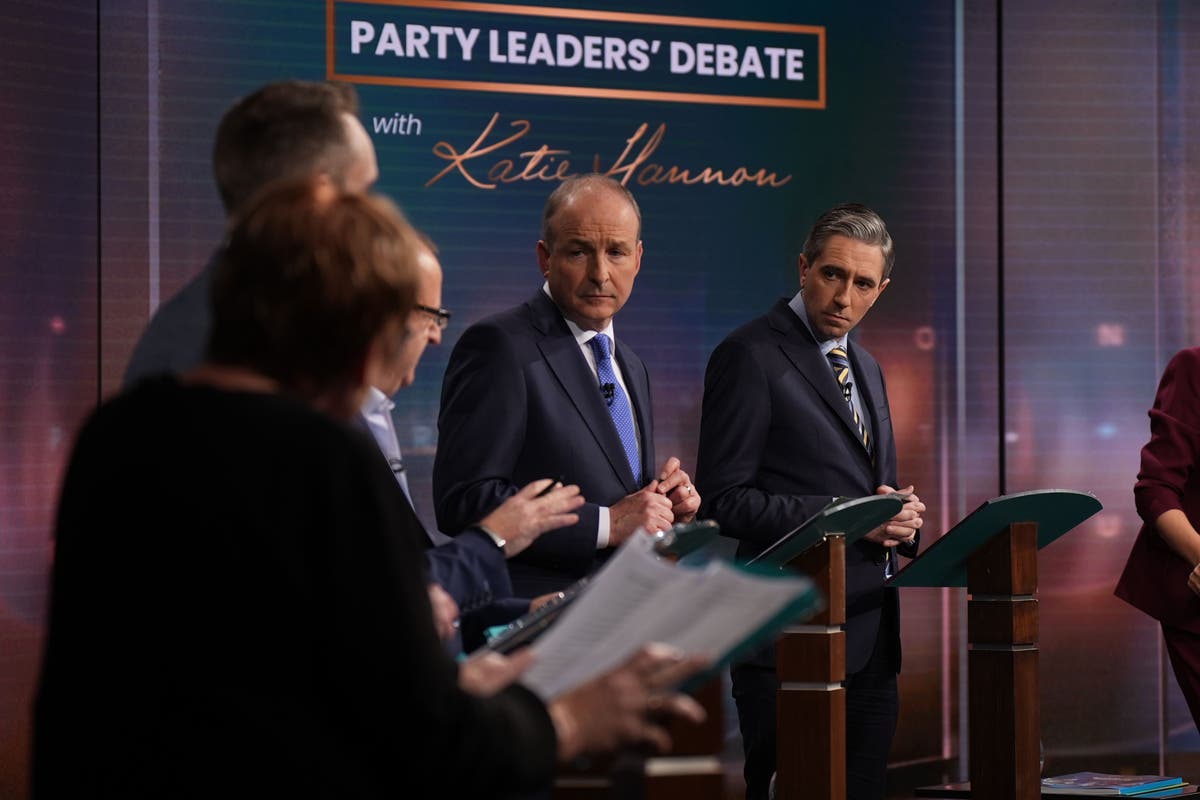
(547, 389)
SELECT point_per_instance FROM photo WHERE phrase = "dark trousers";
(872, 708)
(754, 694)
(1184, 649)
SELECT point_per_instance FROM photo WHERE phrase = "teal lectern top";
(850, 518)
(944, 563)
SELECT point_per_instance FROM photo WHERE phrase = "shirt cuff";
(602, 527)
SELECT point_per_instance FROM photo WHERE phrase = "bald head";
(572, 188)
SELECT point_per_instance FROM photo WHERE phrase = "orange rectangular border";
(581, 91)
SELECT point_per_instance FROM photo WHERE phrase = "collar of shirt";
(377, 412)
(796, 304)
(856, 397)
(582, 337)
(376, 402)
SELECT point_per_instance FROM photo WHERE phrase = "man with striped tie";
(794, 415)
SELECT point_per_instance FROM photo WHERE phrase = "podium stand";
(993, 553)
(810, 660)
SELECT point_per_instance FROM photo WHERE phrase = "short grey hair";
(567, 190)
(854, 221)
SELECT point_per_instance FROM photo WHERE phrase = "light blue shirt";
(377, 413)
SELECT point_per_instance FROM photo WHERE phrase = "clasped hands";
(902, 528)
(668, 499)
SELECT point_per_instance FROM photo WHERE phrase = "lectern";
(993, 553)
(810, 659)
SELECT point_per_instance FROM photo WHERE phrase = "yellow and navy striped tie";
(841, 370)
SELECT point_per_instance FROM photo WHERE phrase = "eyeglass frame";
(440, 315)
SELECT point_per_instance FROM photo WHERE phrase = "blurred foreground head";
(314, 287)
(290, 130)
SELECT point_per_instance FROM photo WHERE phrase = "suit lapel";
(802, 350)
(805, 354)
(563, 357)
(866, 370)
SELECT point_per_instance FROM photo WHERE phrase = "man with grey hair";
(546, 389)
(794, 415)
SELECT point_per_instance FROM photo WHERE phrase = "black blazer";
(777, 443)
(253, 621)
(519, 402)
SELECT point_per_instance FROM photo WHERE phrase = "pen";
(550, 487)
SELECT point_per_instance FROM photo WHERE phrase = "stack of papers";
(1102, 784)
(718, 610)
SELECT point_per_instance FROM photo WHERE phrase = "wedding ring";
(688, 489)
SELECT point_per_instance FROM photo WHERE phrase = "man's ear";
(543, 257)
(325, 188)
(802, 265)
(372, 367)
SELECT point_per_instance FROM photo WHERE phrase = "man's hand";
(902, 528)
(627, 705)
(542, 599)
(540, 506)
(677, 486)
(445, 612)
(643, 509)
(488, 672)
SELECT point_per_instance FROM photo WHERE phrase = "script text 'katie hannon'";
(545, 163)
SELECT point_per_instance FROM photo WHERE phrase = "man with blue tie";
(794, 415)
(546, 388)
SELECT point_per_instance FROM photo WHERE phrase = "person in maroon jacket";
(1162, 575)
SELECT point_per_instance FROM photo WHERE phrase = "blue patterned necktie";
(841, 370)
(618, 404)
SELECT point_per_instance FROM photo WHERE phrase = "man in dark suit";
(544, 389)
(794, 415)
